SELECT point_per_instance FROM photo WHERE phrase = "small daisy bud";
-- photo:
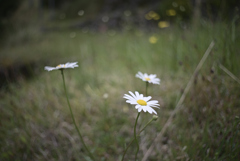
(155, 117)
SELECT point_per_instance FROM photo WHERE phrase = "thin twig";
(229, 73)
(169, 121)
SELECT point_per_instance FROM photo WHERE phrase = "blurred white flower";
(141, 102)
(62, 66)
(72, 35)
(149, 78)
(127, 13)
(105, 18)
(81, 12)
(105, 95)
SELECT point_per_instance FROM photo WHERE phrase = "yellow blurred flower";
(171, 12)
(148, 17)
(152, 15)
(163, 24)
(153, 40)
(157, 17)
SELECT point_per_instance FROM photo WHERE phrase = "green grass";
(36, 123)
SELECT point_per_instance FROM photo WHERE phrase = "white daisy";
(141, 102)
(62, 66)
(149, 78)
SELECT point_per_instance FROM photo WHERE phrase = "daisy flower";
(62, 66)
(141, 102)
(148, 78)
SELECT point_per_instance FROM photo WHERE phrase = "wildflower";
(157, 17)
(81, 12)
(155, 117)
(174, 4)
(62, 66)
(105, 95)
(127, 13)
(163, 24)
(141, 102)
(171, 12)
(152, 39)
(182, 8)
(152, 15)
(148, 17)
(148, 78)
(105, 18)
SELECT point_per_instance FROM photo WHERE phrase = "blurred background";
(112, 40)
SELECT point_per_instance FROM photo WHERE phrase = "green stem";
(146, 125)
(90, 154)
(134, 138)
(146, 87)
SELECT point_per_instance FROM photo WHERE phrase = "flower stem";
(90, 154)
(146, 87)
(134, 138)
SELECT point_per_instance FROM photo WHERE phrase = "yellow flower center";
(61, 65)
(147, 79)
(142, 102)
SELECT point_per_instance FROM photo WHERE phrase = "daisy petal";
(62, 66)
(149, 78)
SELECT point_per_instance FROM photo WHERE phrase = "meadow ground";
(35, 119)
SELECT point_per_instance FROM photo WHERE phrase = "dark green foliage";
(220, 10)
(7, 8)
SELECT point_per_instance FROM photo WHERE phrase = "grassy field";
(35, 119)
